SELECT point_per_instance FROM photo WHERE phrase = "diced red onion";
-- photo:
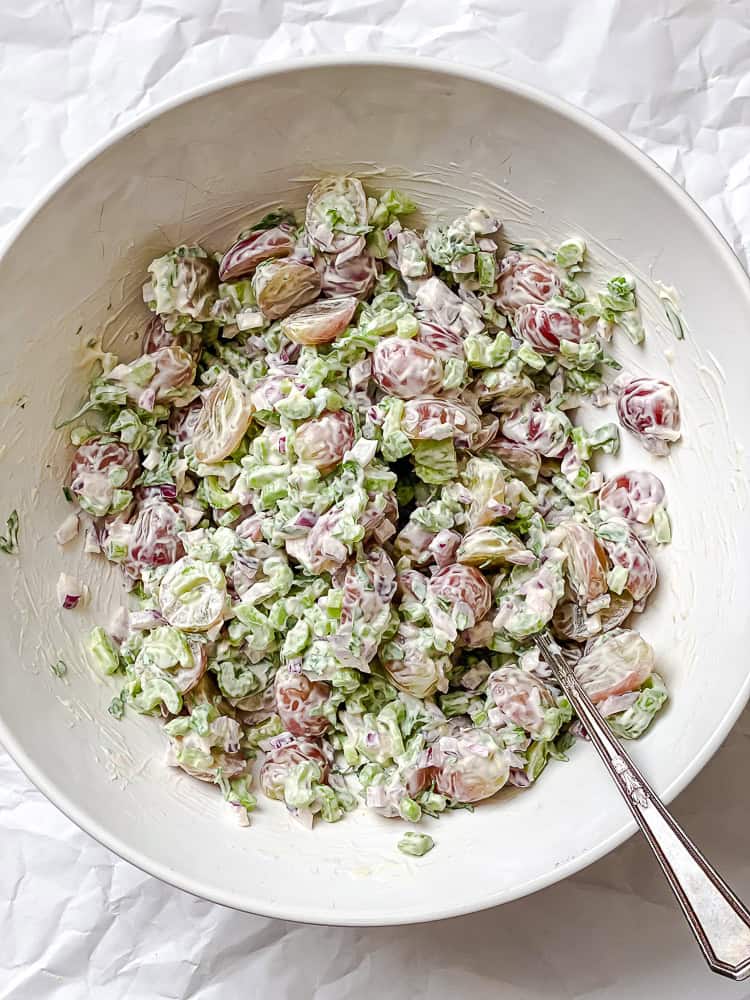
(282, 740)
(254, 346)
(499, 509)
(168, 491)
(243, 572)
(360, 372)
(473, 677)
(69, 591)
(617, 703)
(350, 252)
(249, 529)
(375, 796)
(362, 452)
(570, 463)
(385, 587)
(392, 231)
(147, 399)
(305, 519)
(496, 718)
(464, 265)
(471, 319)
(239, 813)
(375, 415)
(67, 530)
(303, 817)
(444, 547)
(518, 778)
(91, 542)
(383, 531)
(142, 620)
(289, 353)
(277, 742)
(248, 563)
(119, 624)
(578, 730)
(192, 516)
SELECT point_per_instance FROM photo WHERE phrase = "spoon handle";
(717, 918)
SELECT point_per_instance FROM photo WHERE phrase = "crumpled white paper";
(78, 922)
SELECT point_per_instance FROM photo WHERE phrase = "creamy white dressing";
(522, 213)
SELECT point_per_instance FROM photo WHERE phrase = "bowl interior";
(70, 285)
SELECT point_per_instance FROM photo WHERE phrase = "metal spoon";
(717, 918)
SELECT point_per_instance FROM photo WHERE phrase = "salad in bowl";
(346, 484)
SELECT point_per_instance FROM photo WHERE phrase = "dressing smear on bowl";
(346, 481)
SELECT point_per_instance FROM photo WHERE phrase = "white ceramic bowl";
(191, 171)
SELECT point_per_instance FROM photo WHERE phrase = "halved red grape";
(411, 662)
(544, 429)
(335, 205)
(281, 286)
(244, 256)
(350, 276)
(406, 368)
(633, 555)
(325, 440)
(461, 585)
(615, 663)
(97, 456)
(585, 562)
(524, 281)
(299, 701)
(224, 418)
(432, 419)
(319, 323)
(522, 698)
(472, 767)
(650, 409)
(282, 758)
(544, 328)
(154, 537)
(444, 342)
(633, 495)
(519, 458)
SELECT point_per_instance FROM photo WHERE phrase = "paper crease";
(673, 76)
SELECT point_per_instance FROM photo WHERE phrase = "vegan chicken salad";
(345, 485)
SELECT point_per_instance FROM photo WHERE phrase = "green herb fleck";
(675, 320)
(272, 220)
(117, 705)
(59, 668)
(9, 541)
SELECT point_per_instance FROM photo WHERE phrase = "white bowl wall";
(194, 173)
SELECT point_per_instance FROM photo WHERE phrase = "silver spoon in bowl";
(717, 918)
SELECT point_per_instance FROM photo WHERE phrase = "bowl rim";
(671, 189)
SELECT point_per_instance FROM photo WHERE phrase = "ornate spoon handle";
(717, 918)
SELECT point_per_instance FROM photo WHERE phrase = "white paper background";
(674, 77)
